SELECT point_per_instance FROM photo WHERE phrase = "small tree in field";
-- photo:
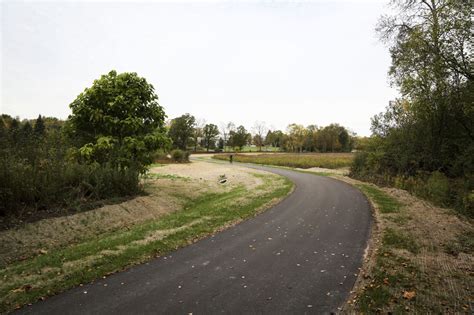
(181, 131)
(210, 133)
(118, 121)
(259, 130)
(240, 137)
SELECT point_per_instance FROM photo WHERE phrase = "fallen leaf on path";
(409, 295)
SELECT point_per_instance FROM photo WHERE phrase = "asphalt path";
(300, 256)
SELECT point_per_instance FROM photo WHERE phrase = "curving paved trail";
(301, 256)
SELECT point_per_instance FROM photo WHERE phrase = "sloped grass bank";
(55, 271)
(422, 260)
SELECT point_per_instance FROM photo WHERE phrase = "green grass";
(27, 281)
(392, 274)
(304, 160)
(385, 203)
(396, 239)
(464, 243)
(165, 176)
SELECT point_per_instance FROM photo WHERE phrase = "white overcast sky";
(280, 62)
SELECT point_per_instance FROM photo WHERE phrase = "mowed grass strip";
(391, 274)
(385, 203)
(302, 160)
(27, 281)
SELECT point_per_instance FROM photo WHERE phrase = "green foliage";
(396, 239)
(239, 137)
(385, 203)
(179, 156)
(99, 153)
(438, 188)
(210, 133)
(118, 121)
(274, 138)
(464, 243)
(424, 141)
(181, 130)
(39, 127)
(39, 173)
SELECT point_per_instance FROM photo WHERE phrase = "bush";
(160, 156)
(359, 163)
(180, 156)
(437, 188)
(44, 175)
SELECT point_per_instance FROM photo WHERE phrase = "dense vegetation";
(325, 160)
(98, 153)
(424, 141)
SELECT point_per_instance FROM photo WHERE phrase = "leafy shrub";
(180, 156)
(359, 163)
(437, 188)
(44, 175)
(160, 156)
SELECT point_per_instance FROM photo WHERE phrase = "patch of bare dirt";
(212, 172)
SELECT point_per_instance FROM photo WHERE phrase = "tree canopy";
(182, 130)
(239, 137)
(428, 133)
(118, 120)
(210, 133)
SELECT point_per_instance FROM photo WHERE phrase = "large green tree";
(431, 127)
(239, 137)
(118, 121)
(182, 130)
(427, 135)
(210, 133)
(274, 138)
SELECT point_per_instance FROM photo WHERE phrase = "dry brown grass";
(298, 160)
(419, 260)
(165, 195)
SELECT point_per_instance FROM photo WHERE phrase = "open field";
(184, 203)
(302, 160)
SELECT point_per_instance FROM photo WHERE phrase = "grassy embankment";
(305, 161)
(48, 272)
(421, 262)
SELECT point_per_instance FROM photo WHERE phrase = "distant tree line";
(187, 133)
(424, 141)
